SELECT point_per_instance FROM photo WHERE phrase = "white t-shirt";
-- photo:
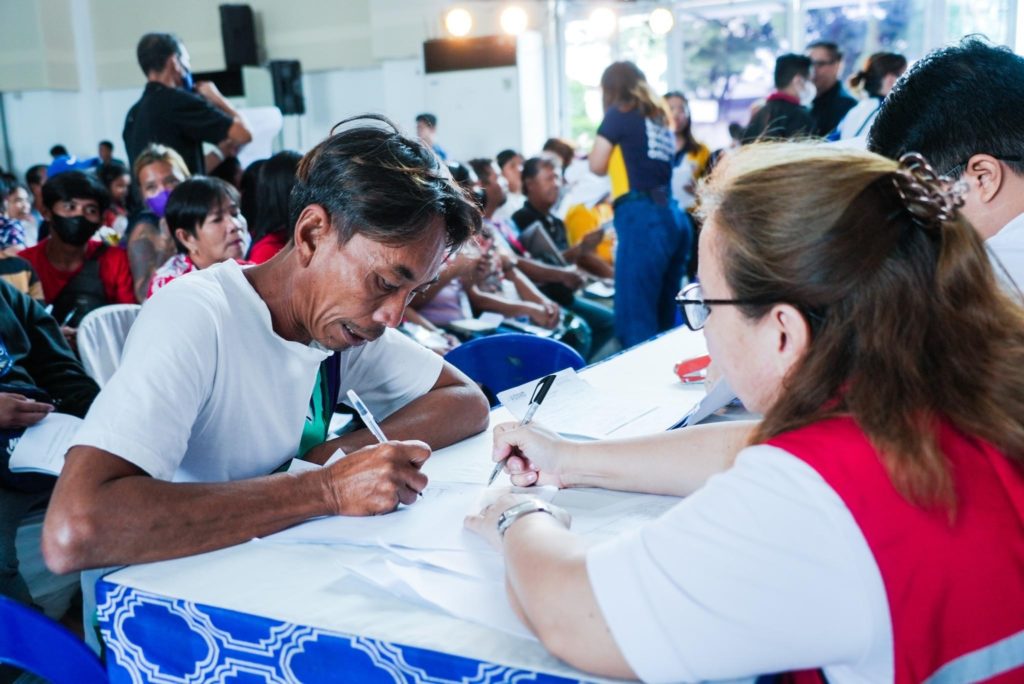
(514, 201)
(857, 122)
(208, 392)
(1008, 246)
(762, 570)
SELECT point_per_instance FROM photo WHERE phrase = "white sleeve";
(389, 372)
(146, 413)
(762, 570)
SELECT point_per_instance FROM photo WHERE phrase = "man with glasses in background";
(833, 101)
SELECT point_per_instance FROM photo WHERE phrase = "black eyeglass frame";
(960, 167)
(682, 300)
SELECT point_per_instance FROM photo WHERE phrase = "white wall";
(480, 111)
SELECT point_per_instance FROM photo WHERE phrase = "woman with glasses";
(872, 529)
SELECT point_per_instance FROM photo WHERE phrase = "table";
(262, 612)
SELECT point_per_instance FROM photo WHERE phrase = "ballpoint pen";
(67, 319)
(539, 392)
(368, 419)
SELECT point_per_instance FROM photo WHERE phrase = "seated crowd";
(867, 305)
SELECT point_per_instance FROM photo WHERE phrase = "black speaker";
(286, 76)
(238, 34)
(457, 54)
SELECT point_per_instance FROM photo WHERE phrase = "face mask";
(159, 203)
(74, 230)
(808, 93)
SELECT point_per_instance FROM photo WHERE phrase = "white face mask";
(808, 93)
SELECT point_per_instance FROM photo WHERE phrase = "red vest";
(955, 590)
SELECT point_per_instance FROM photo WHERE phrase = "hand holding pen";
(368, 419)
(539, 393)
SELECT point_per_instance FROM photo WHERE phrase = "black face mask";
(74, 230)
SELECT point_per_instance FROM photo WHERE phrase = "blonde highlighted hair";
(909, 324)
(155, 152)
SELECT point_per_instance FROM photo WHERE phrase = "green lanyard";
(314, 431)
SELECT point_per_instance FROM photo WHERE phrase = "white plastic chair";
(101, 337)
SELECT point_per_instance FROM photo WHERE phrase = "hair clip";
(929, 197)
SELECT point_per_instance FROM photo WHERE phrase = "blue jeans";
(650, 262)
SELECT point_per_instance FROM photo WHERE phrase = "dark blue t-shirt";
(642, 157)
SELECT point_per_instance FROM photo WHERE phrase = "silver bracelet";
(525, 508)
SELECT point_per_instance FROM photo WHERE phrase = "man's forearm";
(140, 519)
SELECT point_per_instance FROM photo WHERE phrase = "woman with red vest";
(873, 527)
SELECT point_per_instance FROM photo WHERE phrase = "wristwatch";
(516, 512)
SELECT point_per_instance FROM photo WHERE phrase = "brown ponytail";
(909, 324)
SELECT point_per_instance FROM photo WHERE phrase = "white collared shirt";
(1007, 246)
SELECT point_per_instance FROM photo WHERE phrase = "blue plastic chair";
(33, 642)
(498, 362)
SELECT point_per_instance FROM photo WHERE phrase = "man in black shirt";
(783, 115)
(174, 111)
(832, 102)
(39, 374)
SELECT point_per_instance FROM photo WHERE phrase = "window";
(861, 28)
(728, 64)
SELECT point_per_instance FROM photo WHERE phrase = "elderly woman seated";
(202, 214)
(873, 527)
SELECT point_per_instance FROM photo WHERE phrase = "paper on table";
(718, 396)
(297, 465)
(433, 522)
(574, 407)
(42, 447)
(477, 600)
(487, 566)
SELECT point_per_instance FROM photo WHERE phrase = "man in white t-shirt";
(960, 108)
(214, 389)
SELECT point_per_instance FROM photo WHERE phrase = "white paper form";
(481, 601)
(574, 407)
(42, 447)
(435, 521)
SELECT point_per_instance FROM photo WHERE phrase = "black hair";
(145, 216)
(274, 185)
(428, 119)
(462, 174)
(832, 48)
(72, 185)
(111, 171)
(250, 195)
(376, 182)
(106, 143)
(35, 174)
(788, 67)
(227, 170)
(58, 150)
(154, 49)
(504, 156)
(481, 167)
(533, 166)
(192, 201)
(8, 183)
(736, 130)
(956, 102)
(876, 68)
(690, 143)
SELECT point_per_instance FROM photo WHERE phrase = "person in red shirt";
(78, 273)
(272, 226)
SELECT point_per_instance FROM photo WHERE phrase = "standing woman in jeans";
(635, 146)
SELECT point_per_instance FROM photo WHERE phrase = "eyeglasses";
(961, 166)
(696, 309)
(823, 63)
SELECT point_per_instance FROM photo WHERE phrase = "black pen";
(539, 392)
